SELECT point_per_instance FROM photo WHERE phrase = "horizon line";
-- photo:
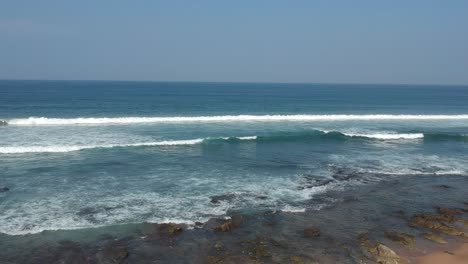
(238, 82)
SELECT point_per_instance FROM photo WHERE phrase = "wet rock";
(4, 189)
(170, 229)
(443, 186)
(296, 260)
(434, 222)
(257, 248)
(112, 254)
(448, 213)
(231, 260)
(311, 232)
(434, 238)
(219, 246)
(3, 123)
(463, 221)
(230, 224)
(401, 238)
(378, 252)
(216, 199)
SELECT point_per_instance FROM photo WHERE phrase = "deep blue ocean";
(79, 154)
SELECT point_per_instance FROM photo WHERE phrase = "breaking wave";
(277, 137)
(225, 118)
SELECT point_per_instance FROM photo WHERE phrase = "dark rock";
(3, 123)
(4, 189)
(443, 186)
(114, 253)
(170, 229)
(257, 248)
(216, 199)
(230, 224)
(311, 232)
(219, 246)
(296, 260)
(401, 238)
(434, 238)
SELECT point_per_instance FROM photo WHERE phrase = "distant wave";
(388, 136)
(226, 118)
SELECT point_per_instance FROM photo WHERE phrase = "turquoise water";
(90, 154)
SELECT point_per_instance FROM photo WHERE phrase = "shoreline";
(453, 255)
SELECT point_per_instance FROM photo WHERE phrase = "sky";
(322, 41)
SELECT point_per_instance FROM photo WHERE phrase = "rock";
(311, 232)
(216, 199)
(443, 186)
(378, 252)
(4, 189)
(386, 256)
(448, 213)
(219, 246)
(3, 123)
(296, 260)
(463, 221)
(434, 238)
(112, 254)
(230, 224)
(256, 248)
(231, 260)
(434, 222)
(170, 229)
(401, 238)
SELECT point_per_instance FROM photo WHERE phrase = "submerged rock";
(170, 229)
(443, 186)
(379, 252)
(112, 254)
(449, 213)
(216, 199)
(434, 238)
(401, 238)
(257, 248)
(435, 222)
(4, 189)
(311, 232)
(230, 224)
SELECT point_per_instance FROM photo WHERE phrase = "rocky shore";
(404, 220)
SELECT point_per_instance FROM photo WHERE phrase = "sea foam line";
(385, 136)
(225, 118)
(58, 149)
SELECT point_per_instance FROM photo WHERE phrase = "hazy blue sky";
(363, 41)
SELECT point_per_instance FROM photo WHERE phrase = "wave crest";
(225, 118)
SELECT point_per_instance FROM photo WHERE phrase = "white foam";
(387, 136)
(58, 149)
(226, 118)
(293, 209)
(247, 138)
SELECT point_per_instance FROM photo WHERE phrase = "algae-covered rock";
(230, 224)
(401, 238)
(434, 238)
(311, 232)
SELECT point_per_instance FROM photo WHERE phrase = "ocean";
(77, 156)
